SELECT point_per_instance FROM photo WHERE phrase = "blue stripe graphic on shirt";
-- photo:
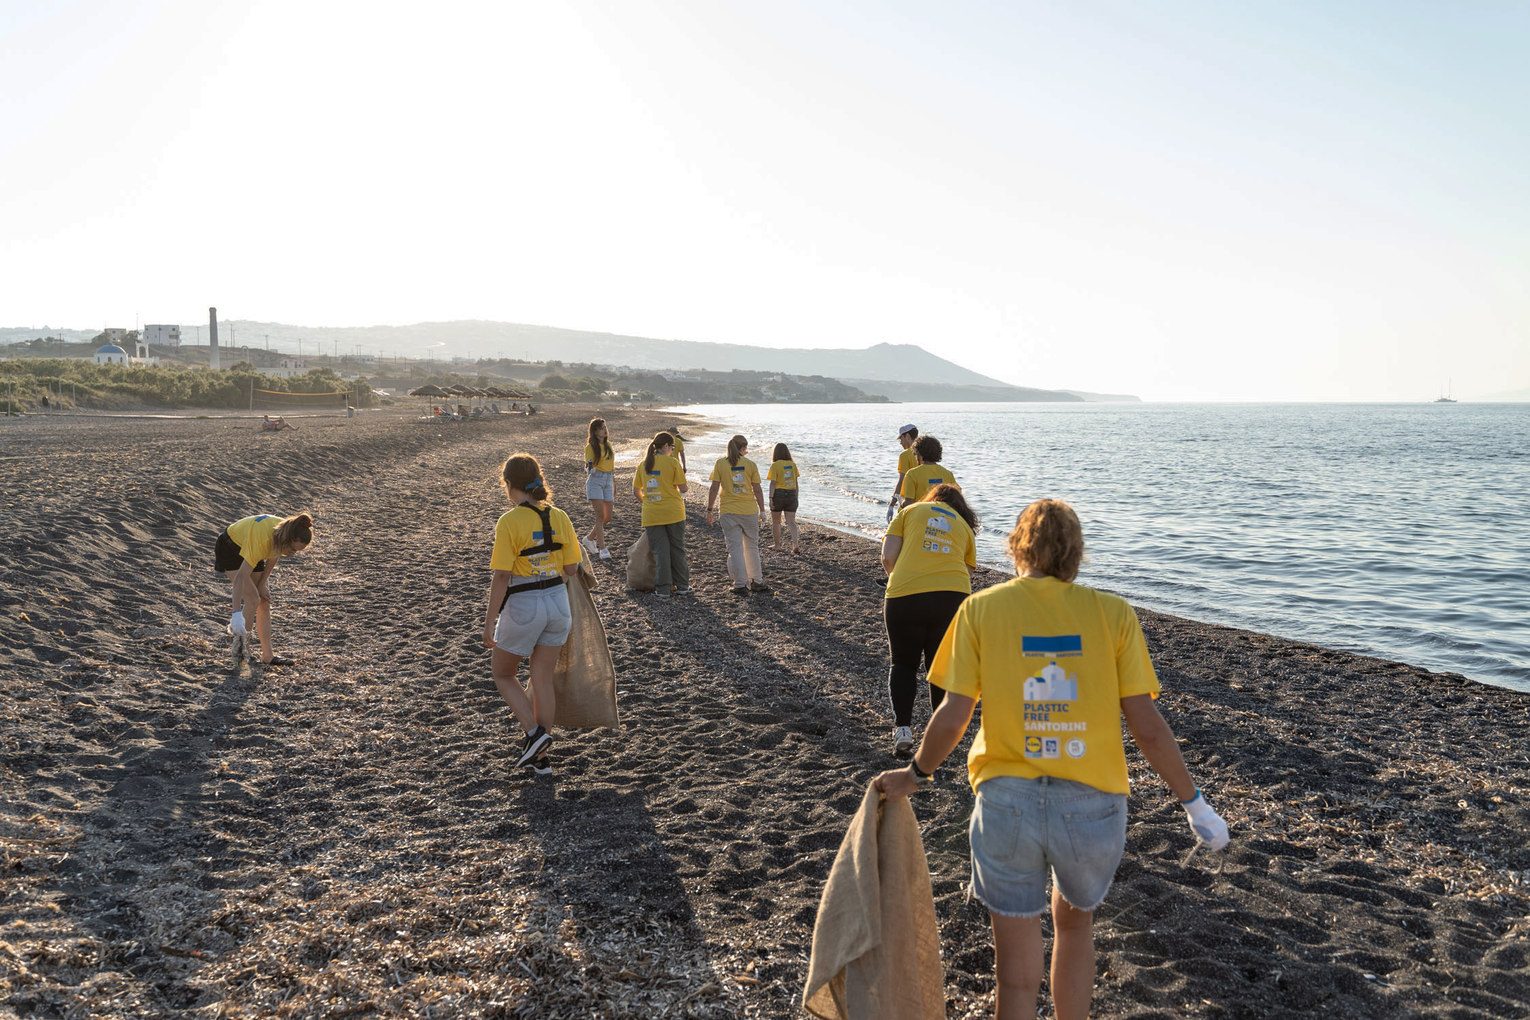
(1065, 644)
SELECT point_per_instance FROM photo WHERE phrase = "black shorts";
(226, 555)
(783, 501)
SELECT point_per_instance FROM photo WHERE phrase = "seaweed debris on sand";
(346, 836)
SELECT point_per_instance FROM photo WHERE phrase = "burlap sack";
(640, 565)
(585, 681)
(876, 943)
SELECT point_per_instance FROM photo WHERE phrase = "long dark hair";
(602, 449)
(952, 497)
(781, 452)
(659, 439)
(523, 472)
(736, 447)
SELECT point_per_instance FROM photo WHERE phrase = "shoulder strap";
(547, 544)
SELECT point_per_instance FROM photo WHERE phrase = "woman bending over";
(247, 551)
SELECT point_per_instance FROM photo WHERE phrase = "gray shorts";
(532, 618)
(1022, 827)
(600, 485)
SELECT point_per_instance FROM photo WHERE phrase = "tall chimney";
(212, 339)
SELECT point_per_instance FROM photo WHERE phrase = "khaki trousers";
(742, 533)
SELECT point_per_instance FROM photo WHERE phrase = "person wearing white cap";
(906, 437)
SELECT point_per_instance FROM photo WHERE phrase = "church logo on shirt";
(1053, 684)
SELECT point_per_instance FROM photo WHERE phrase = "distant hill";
(896, 371)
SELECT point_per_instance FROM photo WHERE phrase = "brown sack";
(876, 943)
(640, 565)
(585, 681)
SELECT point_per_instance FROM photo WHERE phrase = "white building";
(287, 369)
(164, 335)
(114, 335)
(111, 354)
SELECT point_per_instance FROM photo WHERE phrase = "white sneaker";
(605, 554)
(903, 741)
(587, 545)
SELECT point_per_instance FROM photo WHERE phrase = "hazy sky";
(1215, 200)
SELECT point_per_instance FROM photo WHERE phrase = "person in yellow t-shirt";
(907, 436)
(599, 486)
(926, 472)
(737, 479)
(247, 551)
(1056, 666)
(928, 553)
(679, 447)
(536, 552)
(783, 476)
(659, 484)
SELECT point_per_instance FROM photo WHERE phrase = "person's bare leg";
(598, 529)
(775, 529)
(544, 660)
(791, 528)
(1018, 961)
(263, 630)
(1072, 959)
(504, 664)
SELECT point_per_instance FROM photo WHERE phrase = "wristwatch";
(913, 765)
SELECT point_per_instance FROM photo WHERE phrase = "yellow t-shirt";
(938, 547)
(1050, 662)
(521, 528)
(603, 463)
(906, 461)
(783, 474)
(679, 445)
(253, 536)
(660, 491)
(737, 485)
(919, 478)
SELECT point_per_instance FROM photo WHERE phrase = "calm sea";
(1401, 531)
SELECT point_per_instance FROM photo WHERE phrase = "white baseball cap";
(905, 430)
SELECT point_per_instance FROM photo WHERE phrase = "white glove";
(1209, 827)
(892, 508)
(236, 623)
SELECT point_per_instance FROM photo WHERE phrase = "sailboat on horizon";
(1446, 398)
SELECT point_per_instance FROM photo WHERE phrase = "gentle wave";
(1394, 530)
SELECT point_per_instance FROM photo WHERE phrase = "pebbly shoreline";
(346, 835)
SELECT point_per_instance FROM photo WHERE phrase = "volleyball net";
(281, 400)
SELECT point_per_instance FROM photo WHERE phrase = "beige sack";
(585, 680)
(640, 565)
(876, 944)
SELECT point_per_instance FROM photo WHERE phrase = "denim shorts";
(532, 618)
(1022, 827)
(600, 485)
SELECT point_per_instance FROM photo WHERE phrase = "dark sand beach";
(345, 837)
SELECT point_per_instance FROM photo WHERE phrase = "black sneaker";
(684, 591)
(536, 742)
(742, 589)
(541, 765)
(759, 587)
